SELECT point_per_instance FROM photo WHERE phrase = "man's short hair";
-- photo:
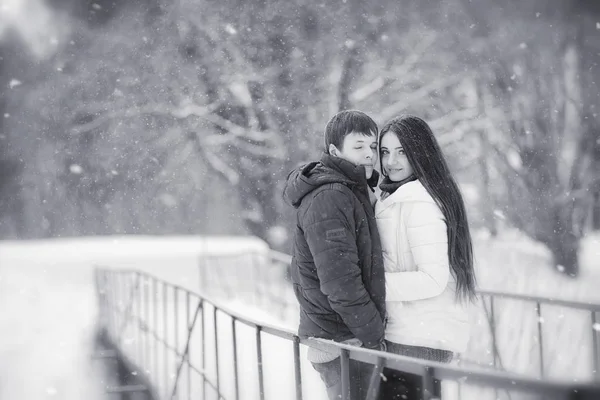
(345, 122)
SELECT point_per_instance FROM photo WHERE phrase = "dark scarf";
(355, 172)
(388, 186)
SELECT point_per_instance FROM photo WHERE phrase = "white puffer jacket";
(421, 302)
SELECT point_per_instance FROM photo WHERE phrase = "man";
(337, 267)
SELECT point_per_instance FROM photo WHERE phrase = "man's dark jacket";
(337, 266)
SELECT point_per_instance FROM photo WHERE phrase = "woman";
(427, 252)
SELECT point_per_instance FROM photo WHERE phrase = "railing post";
(165, 359)
(538, 309)
(216, 333)
(428, 384)
(235, 358)
(188, 350)
(110, 303)
(596, 344)
(259, 360)
(375, 381)
(138, 319)
(494, 340)
(99, 297)
(493, 331)
(176, 329)
(297, 368)
(146, 322)
(345, 367)
(155, 327)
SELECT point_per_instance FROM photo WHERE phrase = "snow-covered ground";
(50, 312)
(49, 304)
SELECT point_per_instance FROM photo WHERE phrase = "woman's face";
(393, 159)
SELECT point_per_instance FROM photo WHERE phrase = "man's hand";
(380, 346)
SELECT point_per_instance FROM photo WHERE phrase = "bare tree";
(548, 156)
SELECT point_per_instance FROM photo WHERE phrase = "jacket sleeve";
(428, 239)
(330, 231)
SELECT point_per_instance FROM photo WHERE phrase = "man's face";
(359, 149)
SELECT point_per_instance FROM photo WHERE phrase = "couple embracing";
(384, 264)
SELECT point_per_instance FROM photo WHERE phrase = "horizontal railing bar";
(126, 389)
(444, 371)
(104, 354)
(551, 301)
(498, 379)
(286, 258)
(147, 275)
(279, 256)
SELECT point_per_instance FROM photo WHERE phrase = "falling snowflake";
(6, 115)
(75, 169)
(96, 6)
(230, 29)
(499, 214)
(560, 268)
(596, 327)
(523, 46)
(14, 83)
(597, 25)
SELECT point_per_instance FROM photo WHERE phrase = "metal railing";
(541, 303)
(260, 279)
(265, 275)
(177, 337)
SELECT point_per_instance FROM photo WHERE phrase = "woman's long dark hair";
(430, 168)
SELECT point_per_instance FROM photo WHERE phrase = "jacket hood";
(303, 180)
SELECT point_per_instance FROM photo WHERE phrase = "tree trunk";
(563, 242)
(564, 249)
(596, 212)
(350, 72)
(488, 202)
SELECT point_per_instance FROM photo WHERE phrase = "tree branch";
(156, 108)
(380, 82)
(411, 98)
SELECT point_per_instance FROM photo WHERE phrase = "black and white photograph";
(299, 199)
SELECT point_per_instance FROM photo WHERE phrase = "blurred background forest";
(184, 116)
